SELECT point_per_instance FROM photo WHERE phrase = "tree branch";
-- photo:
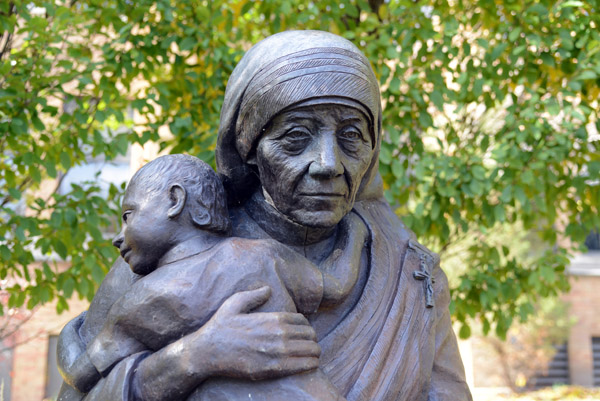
(8, 198)
(57, 187)
(14, 329)
(7, 44)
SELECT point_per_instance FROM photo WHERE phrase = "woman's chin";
(318, 219)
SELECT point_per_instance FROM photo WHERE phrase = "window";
(593, 241)
(596, 356)
(558, 370)
(104, 173)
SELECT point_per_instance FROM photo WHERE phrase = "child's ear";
(178, 196)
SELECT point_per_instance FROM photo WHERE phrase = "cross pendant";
(428, 281)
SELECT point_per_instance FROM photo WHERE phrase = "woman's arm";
(233, 343)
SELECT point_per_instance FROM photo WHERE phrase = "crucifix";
(428, 281)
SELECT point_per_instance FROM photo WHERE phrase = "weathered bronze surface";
(286, 277)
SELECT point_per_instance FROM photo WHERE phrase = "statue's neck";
(281, 228)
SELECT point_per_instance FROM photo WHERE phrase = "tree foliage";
(490, 108)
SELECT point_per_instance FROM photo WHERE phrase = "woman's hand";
(233, 343)
(258, 345)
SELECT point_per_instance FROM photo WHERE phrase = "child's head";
(163, 201)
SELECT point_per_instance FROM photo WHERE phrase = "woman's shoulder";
(381, 219)
(378, 215)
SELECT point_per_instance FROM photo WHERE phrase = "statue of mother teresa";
(298, 148)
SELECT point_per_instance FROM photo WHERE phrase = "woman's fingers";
(245, 301)
(281, 318)
(281, 347)
(261, 344)
(280, 325)
(301, 332)
(280, 350)
(282, 367)
(292, 366)
(303, 348)
(292, 318)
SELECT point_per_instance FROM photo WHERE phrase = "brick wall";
(584, 298)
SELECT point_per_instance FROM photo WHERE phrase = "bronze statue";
(318, 293)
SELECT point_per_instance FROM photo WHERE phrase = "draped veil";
(283, 71)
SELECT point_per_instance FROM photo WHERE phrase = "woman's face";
(311, 162)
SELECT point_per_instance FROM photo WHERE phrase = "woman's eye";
(297, 135)
(350, 139)
(350, 134)
(295, 140)
(125, 216)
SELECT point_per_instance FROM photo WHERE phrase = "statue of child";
(174, 235)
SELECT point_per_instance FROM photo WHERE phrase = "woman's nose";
(326, 162)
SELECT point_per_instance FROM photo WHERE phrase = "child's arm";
(131, 325)
(74, 363)
(114, 342)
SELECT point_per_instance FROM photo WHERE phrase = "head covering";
(293, 69)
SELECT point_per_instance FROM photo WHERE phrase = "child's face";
(146, 233)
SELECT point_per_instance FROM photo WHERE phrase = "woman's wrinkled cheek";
(279, 174)
(354, 171)
(292, 173)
